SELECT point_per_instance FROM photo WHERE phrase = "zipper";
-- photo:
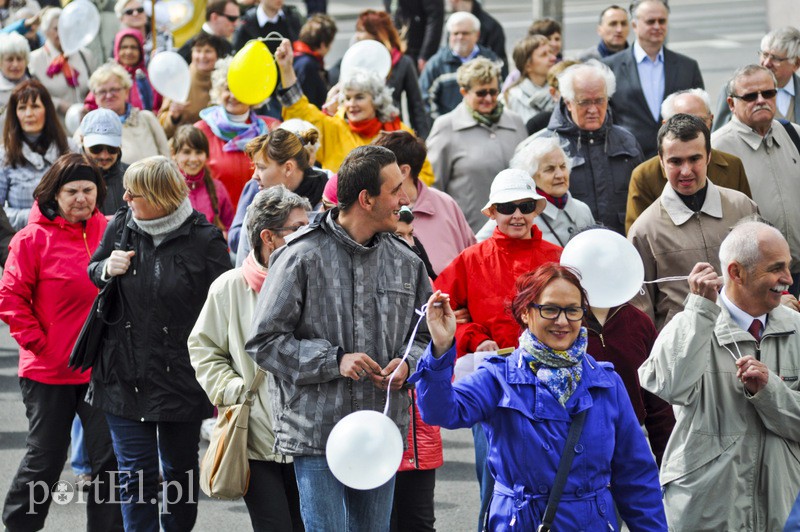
(131, 356)
(86, 240)
(414, 428)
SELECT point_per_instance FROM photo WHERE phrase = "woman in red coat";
(45, 296)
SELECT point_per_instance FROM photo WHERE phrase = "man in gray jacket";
(331, 324)
(730, 363)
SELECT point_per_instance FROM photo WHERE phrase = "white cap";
(512, 185)
(101, 126)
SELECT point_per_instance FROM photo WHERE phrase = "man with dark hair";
(310, 49)
(267, 17)
(613, 30)
(330, 327)
(439, 222)
(688, 222)
(222, 17)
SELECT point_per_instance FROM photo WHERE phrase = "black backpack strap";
(792, 133)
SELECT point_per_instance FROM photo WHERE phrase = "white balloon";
(368, 55)
(610, 267)
(364, 450)
(73, 117)
(78, 25)
(170, 76)
(171, 15)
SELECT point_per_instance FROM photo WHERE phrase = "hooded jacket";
(602, 162)
(143, 95)
(45, 294)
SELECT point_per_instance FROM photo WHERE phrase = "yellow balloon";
(253, 74)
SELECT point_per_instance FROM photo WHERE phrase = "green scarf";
(490, 119)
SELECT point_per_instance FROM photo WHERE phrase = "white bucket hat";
(513, 185)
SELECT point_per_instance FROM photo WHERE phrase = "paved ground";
(720, 34)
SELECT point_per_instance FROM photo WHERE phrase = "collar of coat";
(327, 224)
(679, 213)
(463, 119)
(753, 139)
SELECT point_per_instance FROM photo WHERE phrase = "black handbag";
(107, 309)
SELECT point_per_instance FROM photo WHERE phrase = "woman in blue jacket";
(526, 401)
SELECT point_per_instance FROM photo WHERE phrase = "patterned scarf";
(60, 65)
(559, 371)
(490, 119)
(237, 135)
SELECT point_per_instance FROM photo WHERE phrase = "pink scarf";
(253, 272)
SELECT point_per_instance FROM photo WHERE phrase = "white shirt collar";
(639, 54)
(263, 18)
(789, 87)
(742, 318)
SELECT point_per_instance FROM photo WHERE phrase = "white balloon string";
(664, 280)
(421, 313)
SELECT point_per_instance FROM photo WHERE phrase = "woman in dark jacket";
(143, 379)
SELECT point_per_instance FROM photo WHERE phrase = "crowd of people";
(298, 236)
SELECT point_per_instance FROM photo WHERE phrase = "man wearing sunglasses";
(779, 52)
(102, 140)
(222, 18)
(769, 151)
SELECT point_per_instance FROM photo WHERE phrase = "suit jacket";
(629, 104)
(723, 115)
(424, 20)
(648, 181)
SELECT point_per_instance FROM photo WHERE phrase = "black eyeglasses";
(232, 19)
(484, 92)
(552, 312)
(526, 207)
(97, 149)
(290, 229)
(134, 11)
(753, 96)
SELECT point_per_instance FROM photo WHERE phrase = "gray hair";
(49, 14)
(593, 67)
(668, 105)
(461, 16)
(14, 45)
(269, 210)
(742, 244)
(636, 3)
(786, 39)
(530, 153)
(219, 78)
(373, 84)
(109, 70)
(747, 70)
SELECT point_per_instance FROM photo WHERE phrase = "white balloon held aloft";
(364, 450)
(78, 25)
(171, 15)
(73, 117)
(368, 55)
(610, 267)
(170, 76)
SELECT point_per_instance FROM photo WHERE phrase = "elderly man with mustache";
(769, 151)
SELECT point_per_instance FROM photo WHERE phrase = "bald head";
(695, 102)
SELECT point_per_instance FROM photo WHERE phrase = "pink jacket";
(440, 226)
(201, 201)
(46, 294)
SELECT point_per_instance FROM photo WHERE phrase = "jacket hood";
(136, 34)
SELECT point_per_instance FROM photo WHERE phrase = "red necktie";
(755, 330)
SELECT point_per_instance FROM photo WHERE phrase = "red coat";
(482, 279)
(233, 168)
(426, 451)
(46, 294)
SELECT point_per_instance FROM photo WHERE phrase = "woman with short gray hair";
(224, 369)
(15, 52)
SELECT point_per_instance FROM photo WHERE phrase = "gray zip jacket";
(327, 295)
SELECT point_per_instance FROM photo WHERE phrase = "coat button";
(542, 489)
(545, 446)
(580, 492)
(492, 136)
(579, 448)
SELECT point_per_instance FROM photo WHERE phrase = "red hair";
(529, 287)
(379, 24)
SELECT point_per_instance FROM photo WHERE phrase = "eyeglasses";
(131, 195)
(290, 229)
(553, 312)
(486, 92)
(526, 207)
(108, 92)
(100, 148)
(597, 102)
(134, 11)
(231, 18)
(753, 96)
(774, 58)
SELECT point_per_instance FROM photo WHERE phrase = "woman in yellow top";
(367, 110)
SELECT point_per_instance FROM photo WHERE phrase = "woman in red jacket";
(45, 296)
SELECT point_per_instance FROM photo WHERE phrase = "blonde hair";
(158, 180)
(106, 71)
(219, 78)
(281, 145)
(478, 71)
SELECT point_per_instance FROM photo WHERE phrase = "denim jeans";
(79, 459)
(138, 446)
(485, 478)
(327, 505)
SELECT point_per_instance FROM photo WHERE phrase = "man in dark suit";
(221, 19)
(266, 17)
(648, 73)
(780, 52)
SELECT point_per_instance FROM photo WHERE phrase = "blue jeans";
(485, 478)
(79, 460)
(138, 446)
(327, 505)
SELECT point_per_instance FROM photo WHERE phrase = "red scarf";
(61, 65)
(558, 202)
(301, 48)
(369, 129)
(396, 56)
(254, 273)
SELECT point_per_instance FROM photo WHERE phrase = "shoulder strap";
(792, 133)
(551, 229)
(563, 470)
(126, 231)
(257, 380)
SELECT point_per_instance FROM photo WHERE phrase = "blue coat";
(527, 427)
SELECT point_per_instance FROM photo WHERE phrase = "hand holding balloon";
(441, 323)
(284, 57)
(381, 379)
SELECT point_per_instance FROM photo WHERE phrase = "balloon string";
(664, 280)
(421, 313)
(271, 36)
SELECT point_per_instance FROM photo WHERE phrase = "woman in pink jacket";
(45, 296)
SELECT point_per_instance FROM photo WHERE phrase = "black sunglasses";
(526, 207)
(97, 149)
(134, 11)
(230, 18)
(483, 92)
(753, 96)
